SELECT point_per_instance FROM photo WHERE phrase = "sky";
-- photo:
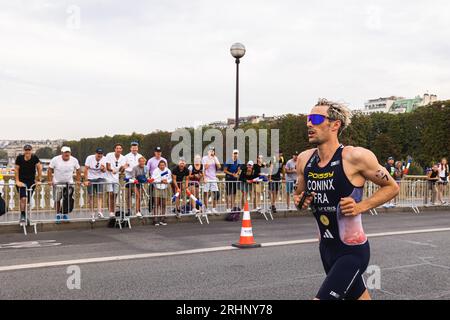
(88, 68)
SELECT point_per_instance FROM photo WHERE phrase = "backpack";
(68, 201)
(234, 215)
(2, 205)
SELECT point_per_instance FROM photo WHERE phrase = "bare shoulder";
(303, 157)
(357, 155)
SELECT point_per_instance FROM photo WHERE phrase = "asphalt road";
(412, 266)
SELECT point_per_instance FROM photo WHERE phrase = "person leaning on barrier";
(94, 180)
(210, 166)
(60, 174)
(25, 174)
(180, 178)
(390, 167)
(162, 179)
(276, 174)
(195, 178)
(398, 176)
(152, 165)
(132, 161)
(115, 165)
(248, 173)
(139, 174)
(259, 186)
(232, 170)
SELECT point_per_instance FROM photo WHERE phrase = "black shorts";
(274, 185)
(344, 266)
(26, 192)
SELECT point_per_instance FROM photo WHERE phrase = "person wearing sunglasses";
(333, 176)
(94, 180)
(116, 164)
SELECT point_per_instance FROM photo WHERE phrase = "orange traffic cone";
(246, 240)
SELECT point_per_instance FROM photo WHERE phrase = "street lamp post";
(237, 51)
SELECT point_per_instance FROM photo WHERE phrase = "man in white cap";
(60, 173)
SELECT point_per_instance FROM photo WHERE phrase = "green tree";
(3, 155)
(45, 153)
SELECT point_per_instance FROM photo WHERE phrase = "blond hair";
(337, 111)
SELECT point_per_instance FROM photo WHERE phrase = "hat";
(212, 148)
(65, 149)
(235, 151)
(391, 158)
(182, 159)
(158, 149)
(250, 163)
(134, 143)
(99, 151)
(295, 153)
(27, 147)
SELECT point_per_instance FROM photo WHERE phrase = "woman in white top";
(443, 179)
(162, 179)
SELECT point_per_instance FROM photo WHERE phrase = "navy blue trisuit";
(344, 248)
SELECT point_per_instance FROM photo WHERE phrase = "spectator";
(258, 186)
(398, 176)
(195, 178)
(291, 178)
(210, 166)
(232, 170)
(433, 177)
(60, 173)
(152, 165)
(25, 174)
(139, 174)
(163, 177)
(180, 178)
(390, 167)
(247, 175)
(94, 180)
(443, 179)
(115, 165)
(132, 161)
(275, 175)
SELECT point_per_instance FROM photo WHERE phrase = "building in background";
(408, 105)
(396, 104)
(379, 105)
(15, 147)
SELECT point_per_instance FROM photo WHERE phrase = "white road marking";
(193, 251)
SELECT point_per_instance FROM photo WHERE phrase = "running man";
(335, 175)
(25, 174)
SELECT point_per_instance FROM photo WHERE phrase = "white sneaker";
(93, 218)
(386, 205)
(258, 209)
(215, 212)
(112, 214)
(228, 210)
(208, 211)
(195, 211)
(100, 215)
(139, 215)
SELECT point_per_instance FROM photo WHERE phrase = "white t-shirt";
(63, 170)
(112, 160)
(210, 173)
(95, 167)
(133, 161)
(159, 175)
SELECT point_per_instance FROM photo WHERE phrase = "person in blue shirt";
(232, 170)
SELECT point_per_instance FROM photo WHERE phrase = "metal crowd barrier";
(154, 203)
